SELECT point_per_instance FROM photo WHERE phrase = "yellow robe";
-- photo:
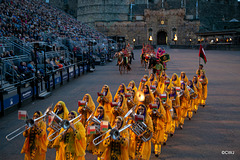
(149, 98)
(158, 124)
(145, 152)
(152, 81)
(106, 102)
(123, 107)
(134, 88)
(86, 113)
(116, 95)
(121, 144)
(39, 140)
(74, 143)
(175, 83)
(99, 149)
(64, 115)
(204, 90)
(157, 91)
(176, 120)
(192, 103)
(185, 79)
(184, 105)
(141, 85)
(197, 101)
(162, 79)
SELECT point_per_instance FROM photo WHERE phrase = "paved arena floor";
(214, 130)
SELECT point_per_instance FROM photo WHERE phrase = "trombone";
(29, 123)
(95, 120)
(65, 124)
(114, 133)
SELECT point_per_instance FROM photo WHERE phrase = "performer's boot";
(190, 114)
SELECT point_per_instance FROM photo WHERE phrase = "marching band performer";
(133, 85)
(87, 110)
(152, 78)
(142, 83)
(73, 141)
(132, 101)
(204, 81)
(163, 77)
(117, 149)
(157, 91)
(158, 116)
(183, 78)
(138, 148)
(101, 115)
(167, 104)
(61, 110)
(174, 81)
(184, 103)
(148, 96)
(121, 109)
(35, 146)
(200, 69)
(106, 100)
(198, 86)
(192, 101)
(121, 89)
(176, 110)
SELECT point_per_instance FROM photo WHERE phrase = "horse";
(123, 62)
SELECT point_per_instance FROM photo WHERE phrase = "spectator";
(31, 67)
(54, 64)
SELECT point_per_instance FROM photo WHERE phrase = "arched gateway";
(162, 38)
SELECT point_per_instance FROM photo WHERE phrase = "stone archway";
(162, 38)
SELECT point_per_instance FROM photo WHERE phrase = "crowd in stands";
(38, 21)
(29, 20)
(7, 54)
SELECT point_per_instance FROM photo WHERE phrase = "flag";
(104, 126)
(22, 115)
(167, 82)
(201, 80)
(165, 57)
(153, 87)
(153, 106)
(128, 95)
(81, 103)
(114, 104)
(100, 94)
(163, 97)
(129, 88)
(143, 80)
(202, 54)
(178, 89)
(91, 130)
(139, 118)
